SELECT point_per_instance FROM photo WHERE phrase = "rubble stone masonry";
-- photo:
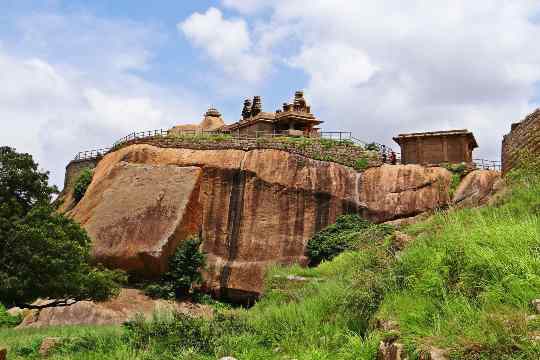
(524, 136)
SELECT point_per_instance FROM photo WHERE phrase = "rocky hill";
(251, 207)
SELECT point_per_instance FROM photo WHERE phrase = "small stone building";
(454, 146)
(293, 119)
(212, 121)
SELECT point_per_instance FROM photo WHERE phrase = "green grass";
(81, 342)
(467, 281)
(465, 284)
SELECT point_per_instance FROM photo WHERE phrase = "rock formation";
(129, 303)
(477, 188)
(251, 208)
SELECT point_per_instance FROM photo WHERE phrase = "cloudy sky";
(76, 75)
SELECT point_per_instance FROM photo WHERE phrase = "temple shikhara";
(293, 119)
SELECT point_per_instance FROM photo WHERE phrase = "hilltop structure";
(212, 121)
(293, 119)
(433, 148)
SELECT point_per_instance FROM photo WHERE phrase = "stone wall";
(340, 153)
(524, 135)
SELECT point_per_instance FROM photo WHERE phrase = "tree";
(43, 254)
(184, 270)
(22, 186)
(185, 266)
(82, 183)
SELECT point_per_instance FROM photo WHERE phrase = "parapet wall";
(524, 136)
(343, 154)
(339, 152)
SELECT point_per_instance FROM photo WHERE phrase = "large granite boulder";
(127, 305)
(251, 208)
(477, 188)
(137, 214)
(401, 191)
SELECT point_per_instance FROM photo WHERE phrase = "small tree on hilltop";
(42, 253)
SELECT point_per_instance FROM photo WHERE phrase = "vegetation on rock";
(82, 183)
(348, 233)
(458, 173)
(7, 320)
(42, 253)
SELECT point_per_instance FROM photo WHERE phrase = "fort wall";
(524, 135)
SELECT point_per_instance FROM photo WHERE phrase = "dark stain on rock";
(236, 204)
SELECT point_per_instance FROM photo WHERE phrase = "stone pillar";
(246, 111)
(257, 106)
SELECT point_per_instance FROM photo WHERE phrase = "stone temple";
(294, 119)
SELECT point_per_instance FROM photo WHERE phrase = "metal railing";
(487, 164)
(91, 154)
(141, 135)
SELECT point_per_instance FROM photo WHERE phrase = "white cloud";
(228, 43)
(59, 102)
(334, 68)
(379, 67)
(246, 6)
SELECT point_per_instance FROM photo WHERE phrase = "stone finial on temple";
(256, 109)
(299, 104)
(246, 111)
(212, 112)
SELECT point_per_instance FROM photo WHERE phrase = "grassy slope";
(465, 284)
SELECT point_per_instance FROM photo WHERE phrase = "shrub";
(184, 271)
(169, 332)
(373, 147)
(458, 172)
(81, 184)
(347, 233)
(173, 333)
(361, 164)
(7, 320)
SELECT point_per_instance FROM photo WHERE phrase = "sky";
(78, 75)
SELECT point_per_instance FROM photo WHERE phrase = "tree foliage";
(43, 254)
(82, 183)
(184, 270)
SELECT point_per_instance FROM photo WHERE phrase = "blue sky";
(80, 74)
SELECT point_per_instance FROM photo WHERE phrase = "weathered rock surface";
(391, 350)
(536, 305)
(141, 214)
(47, 345)
(477, 188)
(15, 311)
(129, 303)
(434, 353)
(251, 208)
(400, 191)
